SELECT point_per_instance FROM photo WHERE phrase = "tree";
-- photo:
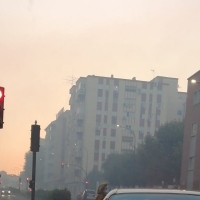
(159, 158)
(39, 167)
(119, 169)
(93, 177)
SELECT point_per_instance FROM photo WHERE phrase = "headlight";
(9, 192)
(2, 191)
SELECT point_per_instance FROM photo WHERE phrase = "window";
(159, 98)
(114, 107)
(105, 119)
(100, 92)
(196, 98)
(103, 144)
(115, 97)
(194, 129)
(98, 118)
(95, 167)
(107, 81)
(114, 120)
(104, 132)
(141, 135)
(106, 107)
(152, 85)
(130, 88)
(116, 82)
(96, 144)
(97, 132)
(160, 86)
(103, 157)
(150, 97)
(141, 122)
(99, 105)
(179, 112)
(143, 97)
(96, 156)
(101, 81)
(113, 132)
(112, 145)
(144, 85)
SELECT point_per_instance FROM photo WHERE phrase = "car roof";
(158, 191)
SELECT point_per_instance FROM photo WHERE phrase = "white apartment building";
(99, 104)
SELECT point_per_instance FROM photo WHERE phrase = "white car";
(151, 194)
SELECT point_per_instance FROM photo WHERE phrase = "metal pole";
(33, 176)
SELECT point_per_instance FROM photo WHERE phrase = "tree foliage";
(39, 166)
(93, 177)
(157, 159)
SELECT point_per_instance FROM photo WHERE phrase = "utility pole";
(35, 145)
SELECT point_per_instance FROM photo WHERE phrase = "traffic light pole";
(35, 145)
(33, 176)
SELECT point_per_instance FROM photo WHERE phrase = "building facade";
(111, 115)
(190, 173)
(55, 153)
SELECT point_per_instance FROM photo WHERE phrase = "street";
(13, 197)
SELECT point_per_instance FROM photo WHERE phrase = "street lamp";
(86, 160)
(194, 81)
(80, 168)
(132, 132)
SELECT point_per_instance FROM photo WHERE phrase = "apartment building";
(99, 104)
(55, 152)
(190, 173)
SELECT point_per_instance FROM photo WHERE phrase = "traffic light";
(62, 164)
(1, 106)
(31, 184)
(86, 182)
(35, 138)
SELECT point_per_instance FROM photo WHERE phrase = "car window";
(154, 197)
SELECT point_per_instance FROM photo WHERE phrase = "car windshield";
(154, 197)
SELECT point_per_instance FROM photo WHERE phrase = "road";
(13, 197)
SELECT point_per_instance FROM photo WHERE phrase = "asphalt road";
(13, 197)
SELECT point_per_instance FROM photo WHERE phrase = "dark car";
(5, 192)
(151, 194)
(88, 195)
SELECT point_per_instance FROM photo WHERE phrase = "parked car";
(88, 194)
(151, 194)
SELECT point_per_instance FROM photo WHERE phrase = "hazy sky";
(42, 42)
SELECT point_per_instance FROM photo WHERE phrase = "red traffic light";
(86, 182)
(1, 106)
(62, 164)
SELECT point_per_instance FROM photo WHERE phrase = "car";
(151, 194)
(88, 195)
(5, 192)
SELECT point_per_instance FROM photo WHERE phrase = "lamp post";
(86, 169)
(68, 164)
(132, 132)
(134, 144)
(194, 81)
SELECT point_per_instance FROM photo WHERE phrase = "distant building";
(55, 153)
(190, 173)
(99, 104)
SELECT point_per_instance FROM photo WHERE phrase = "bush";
(59, 195)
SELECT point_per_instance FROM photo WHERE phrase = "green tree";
(93, 177)
(119, 169)
(39, 167)
(159, 158)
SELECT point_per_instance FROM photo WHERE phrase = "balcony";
(81, 91)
